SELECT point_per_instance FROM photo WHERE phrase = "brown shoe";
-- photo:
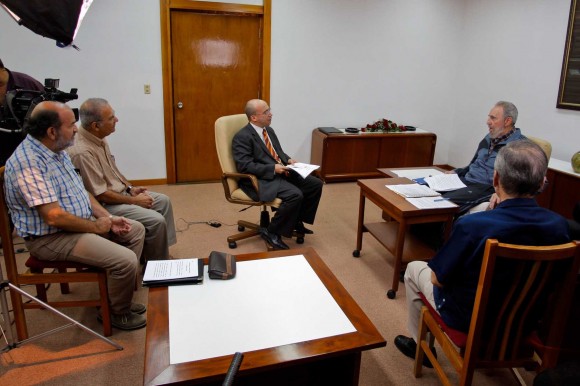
(126, 321)
(138, 308)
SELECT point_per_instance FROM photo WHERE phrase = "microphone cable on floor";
(187, 224)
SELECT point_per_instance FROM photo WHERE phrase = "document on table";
(413, 190)
(431, 202)
(165, 272)
(413, 173)
(445, 182)
(303, 169)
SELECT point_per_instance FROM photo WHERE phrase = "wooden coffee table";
(330, 360)
(394, 234)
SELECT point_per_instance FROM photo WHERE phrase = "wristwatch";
(128, 190)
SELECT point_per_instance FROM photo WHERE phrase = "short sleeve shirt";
(92, 156)
(34, 176)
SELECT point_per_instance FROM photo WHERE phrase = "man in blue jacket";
(449, 280)
(478, 175)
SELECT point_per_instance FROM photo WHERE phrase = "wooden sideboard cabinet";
(348, 157)
(563, 189)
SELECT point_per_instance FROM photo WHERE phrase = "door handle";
(179, 105)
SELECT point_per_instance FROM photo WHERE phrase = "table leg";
(399, 245)
(448, 226)
(359, 229)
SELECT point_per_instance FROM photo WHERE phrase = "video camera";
(20, 103)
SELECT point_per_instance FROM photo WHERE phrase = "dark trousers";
(300, 198)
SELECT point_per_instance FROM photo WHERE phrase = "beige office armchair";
(546, 147)
(225, 129)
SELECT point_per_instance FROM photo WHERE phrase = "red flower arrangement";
(383, 126)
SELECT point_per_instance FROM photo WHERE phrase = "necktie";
(270, 147)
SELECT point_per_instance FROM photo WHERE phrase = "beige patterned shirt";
(97, 165)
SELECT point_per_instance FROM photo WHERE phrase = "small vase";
(576, 162)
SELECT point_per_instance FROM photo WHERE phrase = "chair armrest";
(238, 176)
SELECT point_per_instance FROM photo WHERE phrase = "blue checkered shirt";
(35, 175)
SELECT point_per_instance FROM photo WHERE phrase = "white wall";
(348, 63)
(512, 50)
(438, 65)
(120, 52)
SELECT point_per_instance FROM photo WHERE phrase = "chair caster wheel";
(241, 229)
(356, 253)
(233, 245)
(391, 294)
(299, 240)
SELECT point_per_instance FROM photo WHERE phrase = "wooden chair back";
(59, 273)
(521, 290)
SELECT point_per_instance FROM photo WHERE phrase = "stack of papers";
(444, 182)
(413, 190)
(431, 202)
(421, 196)
(169, 272)
(303, 169)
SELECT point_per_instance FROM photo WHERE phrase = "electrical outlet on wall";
(147, 89)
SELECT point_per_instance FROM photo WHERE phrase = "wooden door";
(216, 67)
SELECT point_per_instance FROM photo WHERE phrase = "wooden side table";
(394, 235)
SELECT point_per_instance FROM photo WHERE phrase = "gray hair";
(521, 166)
(509, 110)
(90, 111)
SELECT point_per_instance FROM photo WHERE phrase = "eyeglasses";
(109, 119)
(266, 112)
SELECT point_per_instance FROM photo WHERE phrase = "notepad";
(171, 272)
(430, 202)
(413, 190)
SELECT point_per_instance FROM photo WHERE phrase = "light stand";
(12, 342)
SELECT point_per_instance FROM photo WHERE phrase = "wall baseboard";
(157, 181)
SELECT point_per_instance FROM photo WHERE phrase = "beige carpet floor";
(73, 357)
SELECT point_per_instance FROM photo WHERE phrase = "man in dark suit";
(257, 151)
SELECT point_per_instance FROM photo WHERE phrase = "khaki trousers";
(119, 255)
(158, 221)
(417, 279)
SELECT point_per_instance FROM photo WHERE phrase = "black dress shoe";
(274, 240)
(300, 228)
(408, 347)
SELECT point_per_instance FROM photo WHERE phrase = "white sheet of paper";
(416, 173)
(431, 202)
(270, 303)
(445, 182)
(171, 269)
(413, 190)
(303, 169)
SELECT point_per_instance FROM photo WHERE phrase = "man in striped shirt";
(60, 220)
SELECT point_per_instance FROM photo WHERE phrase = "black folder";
(176, 281)
(330, 130)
